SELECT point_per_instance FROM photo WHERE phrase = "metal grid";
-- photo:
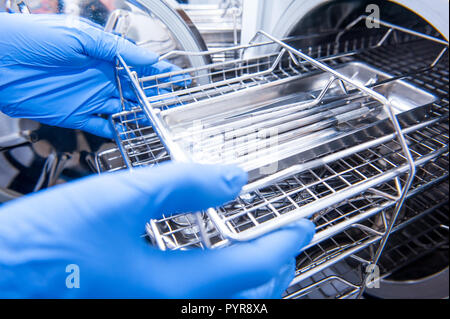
(372, 214)
(182, 232)
(222, 78)
(333, 220)
(138, 140)
(263, 66)
(312, 185)
(335, 268)
(422, 227)
(365, 228)
(340, 280)
(416, 240)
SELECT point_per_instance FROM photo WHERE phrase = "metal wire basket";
(242, 76)
(343, 188)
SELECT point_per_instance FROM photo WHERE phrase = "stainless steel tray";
(271, 127)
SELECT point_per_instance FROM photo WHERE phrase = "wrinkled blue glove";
(96, 223)
(61, 72)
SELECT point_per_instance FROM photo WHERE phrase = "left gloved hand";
(96, 223)
(63, 75)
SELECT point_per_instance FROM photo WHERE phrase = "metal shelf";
(423, 228)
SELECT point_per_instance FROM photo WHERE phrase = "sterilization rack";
(376, 178)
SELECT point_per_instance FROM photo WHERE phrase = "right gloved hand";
(62, 74)
(96, 223)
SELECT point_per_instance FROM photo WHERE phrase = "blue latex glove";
(61, 72)
(96, 224)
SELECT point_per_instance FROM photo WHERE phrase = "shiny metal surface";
(432, 287)
(219, 24)
(150, 23)
(228, 127)
(12, 132)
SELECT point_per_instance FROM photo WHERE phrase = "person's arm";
(95, 225)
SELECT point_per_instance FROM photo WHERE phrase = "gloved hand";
(96, 223)
(63, 75)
